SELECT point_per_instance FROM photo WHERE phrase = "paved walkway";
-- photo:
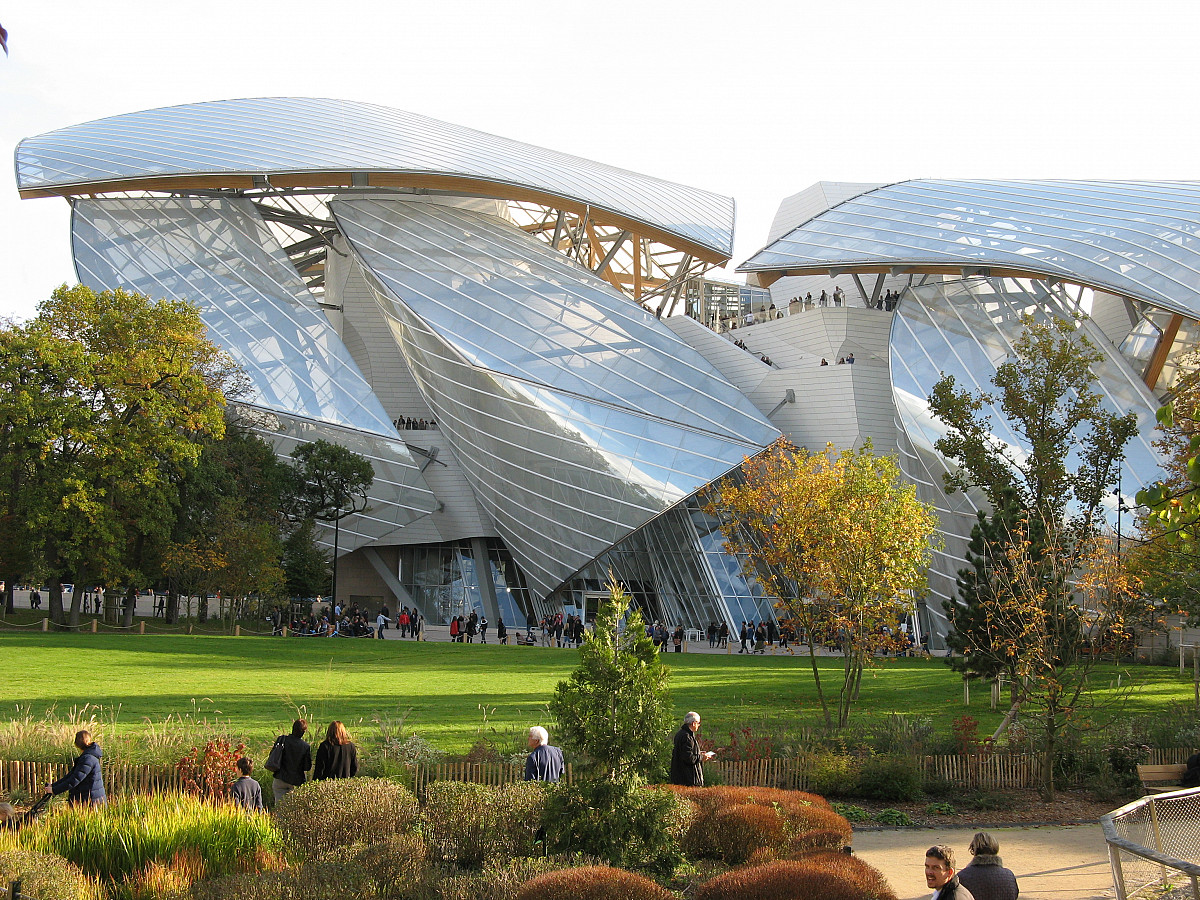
(1051, 862)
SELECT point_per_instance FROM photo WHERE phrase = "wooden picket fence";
(998, 771)
(119, 778)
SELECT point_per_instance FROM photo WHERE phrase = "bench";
(1157, 779)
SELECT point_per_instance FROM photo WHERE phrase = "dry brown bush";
(796, 880)
(592, 883)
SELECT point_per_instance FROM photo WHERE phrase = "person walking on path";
(246, 792)
(84, 784)
(544, 763)
(381, 623)
(337, 757)
(940, 875)
(294, 763)
(687, 759)
(985, 876)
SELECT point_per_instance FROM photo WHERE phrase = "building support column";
(483, 574)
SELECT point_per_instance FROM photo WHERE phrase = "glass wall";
(445, 579)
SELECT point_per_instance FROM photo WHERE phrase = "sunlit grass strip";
(124, 837)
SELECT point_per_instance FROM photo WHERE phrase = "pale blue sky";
(752, 99)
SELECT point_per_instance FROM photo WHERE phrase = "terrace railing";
(1154, 845)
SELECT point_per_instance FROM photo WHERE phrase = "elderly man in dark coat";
(687, 759)
(985, 876)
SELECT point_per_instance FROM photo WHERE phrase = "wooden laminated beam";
(1162, 350)
(475, 187)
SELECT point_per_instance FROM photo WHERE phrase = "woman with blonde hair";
(337, 756)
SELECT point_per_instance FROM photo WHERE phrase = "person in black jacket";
(297, 760)
(84, 784)
(337, 756)
(687, 759)
(939, 874)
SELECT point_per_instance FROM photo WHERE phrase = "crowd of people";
(407, 423)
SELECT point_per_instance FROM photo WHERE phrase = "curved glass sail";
(1139, 239)
(540, 378)
(289, 136)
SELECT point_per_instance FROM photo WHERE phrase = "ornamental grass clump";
(865, 876)
(118, 841)
(469, 824)
(795, 880)
(46, 876)
(592, 883)
(323, 816)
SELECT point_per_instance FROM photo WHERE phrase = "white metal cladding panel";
(508, 303)
(1139, 239)
(219, 255)
(298, 134)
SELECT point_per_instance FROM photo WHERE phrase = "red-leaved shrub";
(868, 878)
(591, 883)
(733, 833)
(795, 880)
(739, 824)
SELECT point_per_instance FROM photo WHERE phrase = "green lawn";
(251, 687)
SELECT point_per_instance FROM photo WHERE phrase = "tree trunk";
(77, 597)
(128, 607)
(172, 615)
(54, 599)
(10, 598)
(812, 657)
(202, 607)
(1049, 745)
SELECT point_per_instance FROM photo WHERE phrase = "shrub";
(788, 879)
(736, 832)
(592, 883)
(622, 822)
(851, 813)
(322, 816)
(395, 867)
(893, 817)
(740, 824)
(889, 778)
(46, 876)
(209, 772)
(869, 879)
(469, 824)
(502, 880)
(941, 809)
(123, 838)
(830, 774)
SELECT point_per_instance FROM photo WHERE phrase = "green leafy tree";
(1048, 495)
(232, 506)
(305, 565)
(614, 711)
(843, 543)
(128, 387)
(331, 483)
(1167, 559)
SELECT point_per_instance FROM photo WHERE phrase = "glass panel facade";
(569, 438)
(444, 578)
(270, 135)
(964, 328)
(1137, 239)
(397, 497)
(219, 255)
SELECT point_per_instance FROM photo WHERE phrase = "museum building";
(524, 345)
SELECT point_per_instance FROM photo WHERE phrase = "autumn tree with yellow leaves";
(840, 540)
